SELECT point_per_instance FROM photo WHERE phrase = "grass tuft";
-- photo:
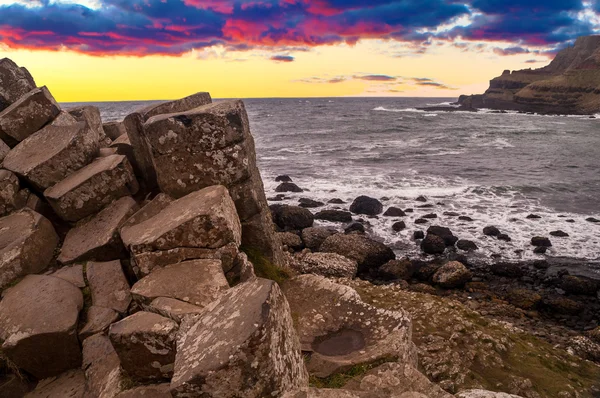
(264, 268)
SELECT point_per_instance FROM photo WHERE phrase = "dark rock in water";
(491, 231)
(561, 304)
(444, 233)
(421, 221)
(384, 199)
(397, 270)
(540, 250)
(465, 218)
(369, 254)
(430, 216)
(466, 245)
(579, 285)
(451, 214)
(523, 298)
(288, 187)
(283, 178)
(418, 235)
(421, 199)
(504, 237)
(452, 275)
(394, 212)
(510, 270)
(277, 198)
(433, 244)
(309, 203)
(355, 227)
(366, 205)
(425, 206)
(336, 201)
(570, 221)
(409, 210)
(291, 217)
(533, 217)
(334, 216)
(559, 233)
(399, 226)
(539, 241)
(541, 264)
(592, 219)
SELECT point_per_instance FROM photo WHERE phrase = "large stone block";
(9, 192)
(4, 150)
(56, 151)
(98, 238)
(91, 116)
(179, 105)
(15, 82)
(242, 345)
(38, 325)
(108, 285)
(98, 319)
(102, 368)
(91, 188)
(114, 130)
(145, 343)
(70, 384)
(134, 125)
(27, 244)
(26, 116)
(177, 310)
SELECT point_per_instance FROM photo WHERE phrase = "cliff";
(570, 84)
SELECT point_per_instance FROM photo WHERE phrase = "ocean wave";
(383, 109)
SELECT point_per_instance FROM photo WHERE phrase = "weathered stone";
(290, 218)
(288, 187)
(114, 130)
(98, 320)
(433, 244)
(72, 274)
(310, 203)
(15, 82)
(369, 254)
(105, 152)
(394, 212)
(540, 241)
(452, 275)
(580, 285)
(309, 392)
(399, 226)
(258, 233)
(91, 188)
(397, 270)
(102, 368)
(4, 150)
(98, 239)
(466, 245)
(444, 233)
(484, 394)
(355, 227)
(12, 385)
(156, 391)
(243, 345)
(523, 298)
(203, 219)
(148, 210)
(91, 116)
(27, 244)
(134, 125)
(330, 265)
(291, 240)
(176, 106)
(366, 205)
(123, 147)
(38, 325)
(314, 237)
(108, 285)
(334, 216)
(145, 344)
(172, 308)
(198, 282)
(340, 330)
(27, 115)
(9, 191)
(491, 231)
(70, 384)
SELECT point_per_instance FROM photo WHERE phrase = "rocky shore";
(141, 259)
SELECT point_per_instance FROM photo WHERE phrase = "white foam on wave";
(430, 115)
(383, 109)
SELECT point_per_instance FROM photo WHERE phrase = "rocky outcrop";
(369, 254)
(331, 265)
(15, 82)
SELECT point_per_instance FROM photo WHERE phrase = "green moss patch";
(264, 268)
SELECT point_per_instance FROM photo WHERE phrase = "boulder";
(336, 201)
(444, 233)
(38, 325)
(417, 235)
(355, 227)
(174, 309)
(70, 384)
(533, 217)
(4, 150)
(399, 226)
(311, 392)
(420, 221)
(309, 203)
(176, 106)
(523, 298)
(421, 198)
(509, 270)
(484, 394)
(430, 216)
(369, 254)
(108, 285)
(539, 241)
(504, 237)
(561, 305)
(27, 115)
(98, 321)
(197, 282)
(330, 265)
(102, 368)
(122, 146)
(491, 231)
(397, 270)
(433, 244)
(452, 275)
(394, 212)
(72, 274)
(9, 192)
(340, 331)
(27, 244)
(98, 239)
(366, 205)
(313, 237)
(154, 391)
(243, 344)
(467, 245)
(91, 188)
(15, 82)
(579, 285)
(288, 187)
(114, 130)
(291, 217)
(91, 116)
(145, 344)
(559, 234)
(134, 126)
(334, 216)
(148, 210)
(465, 218)
(291, 240)
(283, 178)
(592, 220)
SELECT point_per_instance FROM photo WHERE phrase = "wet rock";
(180, 105)
(539, 241)
(559, 234)
(533, 217)
(466, 245)
(243, 344)
(540, 250)
(433, 244)
(198, 282)
(309, 203)
(283, 178)
(504, 237)
(291, 240)
(16, 82)
(336, 201)
(27, 115)
(288, 187)
(155, 391)
(421, 199)
(98, 239)
(420, 221)
(91, 188)
(592, 220)
(451, 214)
(98, 321)
(108, 285)
(340, 330)
(369, 254)
(366, 205)
(102, 368)
(396, 270)
(523, 298)
(417, 235)
(334, 216)
(292, 217)
(510, 270)
(9, 192)
(399, 226)
(114, 130)
(91, 116)
(579, 285)
(27, 244)
(394, 212)
(484, 394)
(330, 265)
(313, 237)
(444, 233)
(175, 309)
(491, 231)
(465, 218)
(355, 227)
(70, 384)
(145, 344)
(430, 216)
(452, 275)
(561, 305)
(38, 325)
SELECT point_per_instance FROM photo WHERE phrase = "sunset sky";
(100, 50)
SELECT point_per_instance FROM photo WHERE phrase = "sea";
(496, 168)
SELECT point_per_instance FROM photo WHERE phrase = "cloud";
(379, 78)
(511, 51)
(282, 58)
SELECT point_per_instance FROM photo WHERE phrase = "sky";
(104, 50)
